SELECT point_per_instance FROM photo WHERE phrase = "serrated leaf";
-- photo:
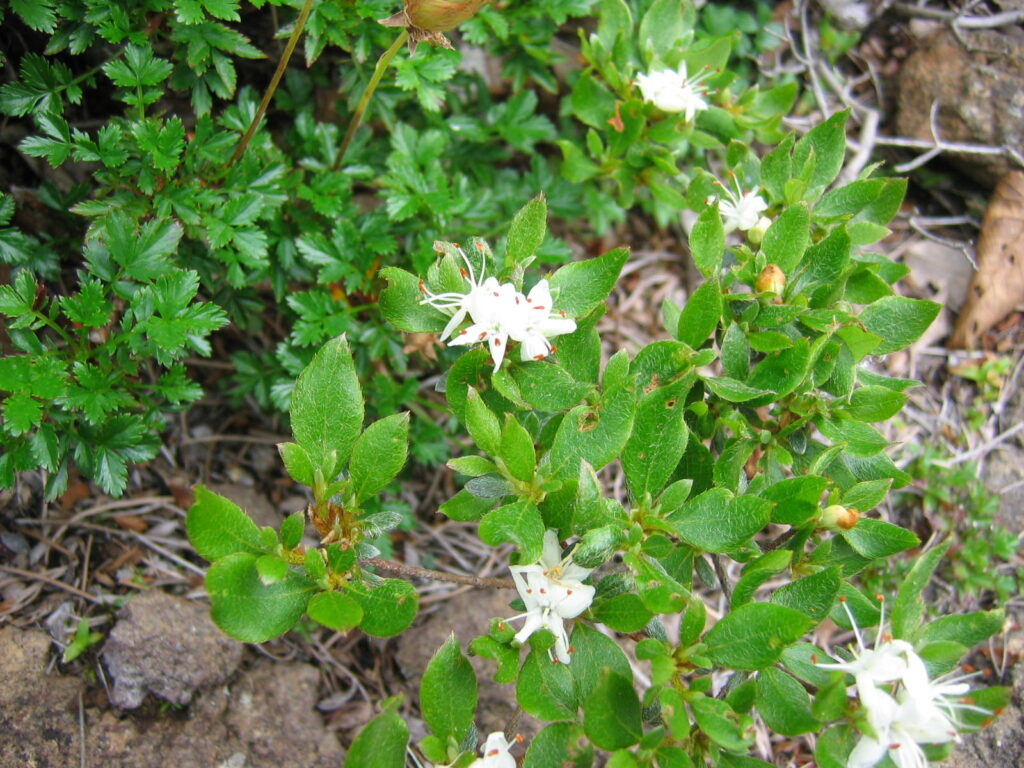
(448, 693)
(378, 455)
(218, 527)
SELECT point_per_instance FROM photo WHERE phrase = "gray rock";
(979, 91)
(167, 646)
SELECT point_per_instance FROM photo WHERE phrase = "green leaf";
(388, 608)
(292, 529)
(968, 629)
(899, 321)
(721, 724)
(400, 304)
(735, 356)
(549, 387)
(796, 499)
(546, 690)
(335, 610)
(483, 425)
(701, 315)
(611, 714)
(827, 142)
(757, 572)
(378, 455)
(663, 27)
(37, 14)
(624, 612)
(448, 693)
(246, 608)
(218, 527)
(658, 440)
(867, 495)
(781, 372)
(382, 742)
(734, 391)
(754, 635)
(877, 538)
(465, 506)
(707, 239)
(592, 102)
(592, 652)
(526, 233)
(874, 403)
(594, 435)
(584, 285)
(812, 595)
(908, 608)
(560, 744)
(784, 703)
(517, 450)
(296, 462)
(327, 407)
(715, 521)
(519, 523)
(271, 569)
(787, 238)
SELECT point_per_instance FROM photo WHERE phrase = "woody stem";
(412, 572)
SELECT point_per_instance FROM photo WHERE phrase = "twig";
(278, 73)
(52, 582)
(81, 732)
(981, 450)
(938, 146)
(965, 22)
(412, 572)
(723, 579)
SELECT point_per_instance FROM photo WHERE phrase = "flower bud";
(441, 15)
(836, 517)
(428, 20)
(771, 280)
(756, 233)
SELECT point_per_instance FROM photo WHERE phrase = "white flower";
(673, 91)
(540, 323)
(913, 712)
(495, 315)
(459, 304)
(740, 209)
(498, 312)
(552, 590)
(495, 753)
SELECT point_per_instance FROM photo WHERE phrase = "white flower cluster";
(498, 312)
(903, 709)
(741, 209)
(495, 752)
(552, 590)
(672, 91)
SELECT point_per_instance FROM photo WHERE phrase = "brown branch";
(412, 572)
(52, 582)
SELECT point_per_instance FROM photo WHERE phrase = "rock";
(467, 615)
(980, 93)
(1002, 742)
(38, 712)
(167, 646)
(265, 719)
(273, 710)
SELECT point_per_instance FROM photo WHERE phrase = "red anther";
(519, 738)
(423, 287)
(538, 357)
(539, 307)
(497, 342)
(493, 752)
(483, 335)
(497, 294)
(553, 349)
(463, 332)
(814, 658)
(842, 598)
(501, 626)
(543, 591)
(561, 312)
(571, 649)
(568, 592)
(894, 746)
(969, 668)
(463, 272)
(456, 245)
(880, 598)
(529, 591)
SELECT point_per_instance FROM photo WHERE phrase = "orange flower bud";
(838, 518)
(771, 280)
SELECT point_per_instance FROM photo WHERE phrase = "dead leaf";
(997, 288)
(132, 523)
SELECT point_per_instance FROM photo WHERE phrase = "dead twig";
(412, 572)
(52, 582)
